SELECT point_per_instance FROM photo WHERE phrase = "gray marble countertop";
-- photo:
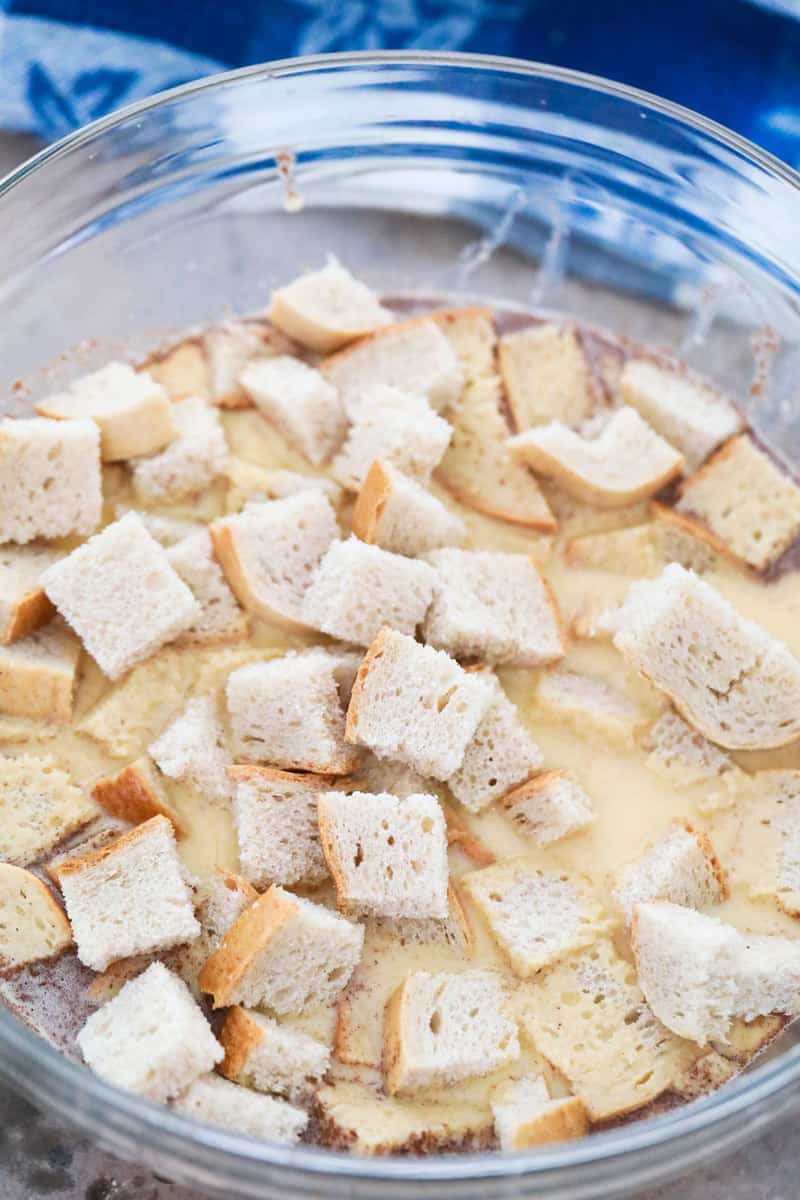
(40, 1160)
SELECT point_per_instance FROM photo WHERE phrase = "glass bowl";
(432, 174)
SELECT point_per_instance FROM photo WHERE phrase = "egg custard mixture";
(394, 698)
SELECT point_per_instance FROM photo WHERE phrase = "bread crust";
(373, 655)
(130, 795)
(371, 502)
(460, 835)
(709, 853)
(33, 610)
(247, 937)
(239, 1036)
(394, 1064)
(226, 551)
(12, 878)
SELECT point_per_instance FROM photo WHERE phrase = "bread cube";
(681, 867)
(546, 376)
(690, 414)
(328, 308)
(299, 401)
(129, 897)
(631, 551)
(216, 1101)
(39, 807)
(442, 1028)
(221, 620)
(387, 856)
(32, 923)
(261, 1054)
(192, 749)
(50, 484)
(413, 356)
(288, 712)
(399, 427)
(500, 755)
(135, 794)
(283, 952)
(269, 552)
(589, 704)
(683, 755)
(357, 589)
(194, 459)
(625, 462)
(742, 504)
(24, 607)
(230, 348)
(729, 678)
(219, 900)
(471, 334)
(152, 1038)
(525, 1116)
(587, 1016)
(550, 807)
(121, 596)
(181, 369)
(478, 469)
(167, 531)
(275, 814)
(398, 514)
(536, 917)
(495, 607)
(131, 410)
(415, 704)
(38, 674)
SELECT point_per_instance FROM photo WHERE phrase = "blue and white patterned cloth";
(65, 62)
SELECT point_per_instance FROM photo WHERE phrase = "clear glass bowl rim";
(33, 1061)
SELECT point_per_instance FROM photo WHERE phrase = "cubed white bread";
(219, 1102)
(699, 973)
(354, 1116)
(380, 775)
(679, 752)
(192, 749)
(493, 606)
(167, 531)
(387, 856)
(535, 916)
(588, 1018)
(631, 551)
(770, 828)
(478, 469)
(413, 356)
(152, 1038)
(549, 807)
(229, 349)
(135, 794)
(38, 674)
(399, 427)
(688, 412)
(266, 1056)
(50, 480)
(678, 538)
(192, 461)
(129, 897)
(181, 369)
(681, 867)
(358, 588)
(33, 925)
(288, 712)
(546, 376)
(246, 481)
(415, 704)
(588, 704)
(39, 808)
(219, 900)
(221, 620)
(625, 462)
(283, 952)
(500, 755)
(471, 333)
(131, 410)
(328, 308)
(269, 552)
(525, 1116)
(742, 504)
(441, 1028)
(733, 681)
(24, 607)
(397, 513)
(590, 619)
(121, 596)
(275, 815)
(300, 402)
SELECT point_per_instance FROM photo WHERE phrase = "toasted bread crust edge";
(226, 552)
(459, 834)
(131, 796)
(32, 611)
(239, 1036)
(56, 915)
(248, 936)
(373, 655)
(709, 853)
(371, 502)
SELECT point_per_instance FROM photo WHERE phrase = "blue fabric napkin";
(65, 62)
